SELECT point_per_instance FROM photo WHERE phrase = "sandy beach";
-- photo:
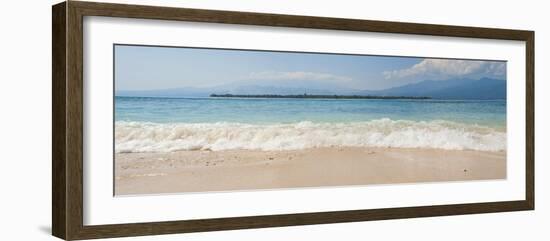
(200, 171)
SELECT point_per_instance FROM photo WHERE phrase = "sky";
(154, 68)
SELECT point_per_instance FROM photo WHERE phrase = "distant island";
(306, 96)
(451, 89)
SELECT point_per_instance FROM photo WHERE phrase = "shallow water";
(144, 124)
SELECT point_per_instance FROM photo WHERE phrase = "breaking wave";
(169, 137)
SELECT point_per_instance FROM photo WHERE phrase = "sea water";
(147, 124)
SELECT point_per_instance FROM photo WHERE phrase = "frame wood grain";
(67, 121)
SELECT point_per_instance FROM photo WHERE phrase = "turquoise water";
(172, 124)
(210, 110)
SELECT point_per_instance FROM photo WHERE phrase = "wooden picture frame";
(67, 123)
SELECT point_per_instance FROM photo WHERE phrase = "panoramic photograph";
(190, 120)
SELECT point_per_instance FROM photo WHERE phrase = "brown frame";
(67, 121)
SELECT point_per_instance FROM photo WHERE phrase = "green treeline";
(307, 96)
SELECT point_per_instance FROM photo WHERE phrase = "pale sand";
(197, 171)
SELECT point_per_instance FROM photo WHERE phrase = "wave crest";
(157, 137)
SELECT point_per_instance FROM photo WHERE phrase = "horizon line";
(351, 89)
(209, 97)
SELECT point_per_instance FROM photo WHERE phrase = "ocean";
(147, 124)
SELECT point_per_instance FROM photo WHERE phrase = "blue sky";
(151, 68)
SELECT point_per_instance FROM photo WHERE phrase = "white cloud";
(445, 69)
(297, 75)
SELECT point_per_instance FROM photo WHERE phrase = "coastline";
(233, 170)
(317, 96)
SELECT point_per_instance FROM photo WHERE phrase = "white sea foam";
(155, 137)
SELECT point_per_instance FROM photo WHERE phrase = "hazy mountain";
(250, 89)
(278, 90)
(176, 92)
(484, 88)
